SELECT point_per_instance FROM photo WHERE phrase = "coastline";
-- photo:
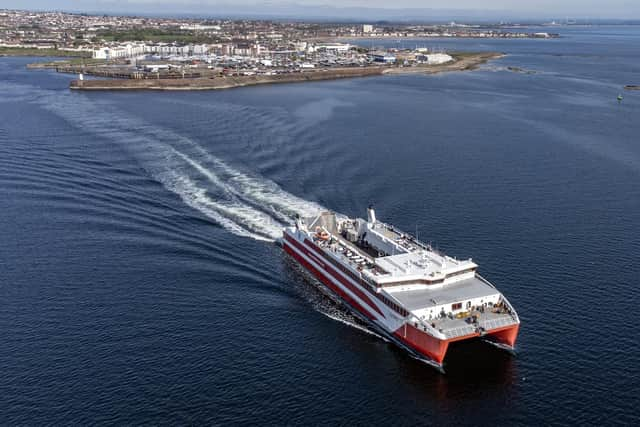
(45, 53)
(462, 62)
(219, 83)
(360, 38)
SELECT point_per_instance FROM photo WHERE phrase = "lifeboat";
(322, 234)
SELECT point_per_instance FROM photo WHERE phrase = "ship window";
(456, 306)
(468, 304)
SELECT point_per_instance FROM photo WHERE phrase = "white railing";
(460, 331)
(496, 323)
(424, 326)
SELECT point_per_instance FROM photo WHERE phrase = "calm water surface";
(139, 281)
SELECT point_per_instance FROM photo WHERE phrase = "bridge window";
(456, 306)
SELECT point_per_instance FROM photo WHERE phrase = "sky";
(379, 9)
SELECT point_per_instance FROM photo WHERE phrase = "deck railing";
(459, 331)
(496, 323)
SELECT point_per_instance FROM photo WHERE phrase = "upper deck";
(384, 255)
(438, 291)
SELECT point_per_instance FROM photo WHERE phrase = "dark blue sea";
(140, 282)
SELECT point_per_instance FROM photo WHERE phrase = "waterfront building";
(383, 57)
(434, 58)
(120, 51)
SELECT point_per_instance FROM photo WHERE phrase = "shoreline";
(218, 83)
(360, 38)
(18, 52)
(462, 62)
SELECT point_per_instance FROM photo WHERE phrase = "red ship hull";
(408, 336)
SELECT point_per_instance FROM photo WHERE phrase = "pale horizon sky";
(593, 9)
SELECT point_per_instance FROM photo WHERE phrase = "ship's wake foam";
(344, 317)
(325, 303)
(243, 203)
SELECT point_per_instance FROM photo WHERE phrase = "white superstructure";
(415, 294)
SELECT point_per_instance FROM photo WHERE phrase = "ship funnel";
(371, 214)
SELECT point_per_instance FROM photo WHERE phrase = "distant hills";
(290, 10)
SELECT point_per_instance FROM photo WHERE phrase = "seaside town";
(129, 47)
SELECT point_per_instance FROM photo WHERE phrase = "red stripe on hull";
(419, 341)
(334, 273)
(414, 338)
(327, 282)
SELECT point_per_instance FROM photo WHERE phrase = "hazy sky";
(532, 8)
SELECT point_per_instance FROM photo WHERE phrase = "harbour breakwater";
(461, 62)
(224, 82)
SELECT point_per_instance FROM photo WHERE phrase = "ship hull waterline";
(417, 343)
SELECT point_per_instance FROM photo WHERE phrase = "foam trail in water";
(252, 218)
(266, 193)
(342, 318)
(245, 205)
(197, 198)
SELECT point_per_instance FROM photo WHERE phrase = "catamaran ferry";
(418, 297)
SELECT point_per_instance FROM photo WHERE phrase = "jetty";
(223, 82)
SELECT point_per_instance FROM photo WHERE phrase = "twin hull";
(370, 306)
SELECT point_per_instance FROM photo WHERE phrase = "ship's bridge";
(423, 267)
(403, 257)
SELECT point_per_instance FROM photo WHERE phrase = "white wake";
(345, 319)
(244, 204)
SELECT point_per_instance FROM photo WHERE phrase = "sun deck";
(352, 254)
(384, 254)
(348, 252)
(405, 241)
